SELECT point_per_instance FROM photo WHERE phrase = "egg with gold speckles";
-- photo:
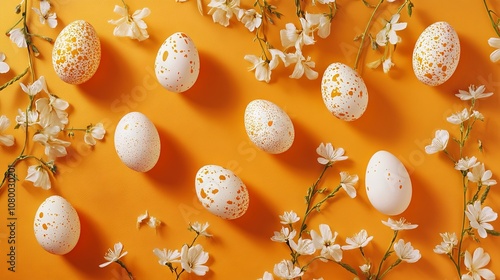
(388, 184)
(57, 225)
(436, 54)
(137, 142)
(177, 63)
(344, 92)
(77, 53)
(221, 192)
(268, 126)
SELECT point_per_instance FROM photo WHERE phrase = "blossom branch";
(494, 23)
(386, 255)
(130, 276)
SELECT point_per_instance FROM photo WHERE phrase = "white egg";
(388, 184)
(77, 52)
(177, 63)
(137, 142)
(344, 92)
(57, 225)
(221, 192)
(268, 126)
(436, 54)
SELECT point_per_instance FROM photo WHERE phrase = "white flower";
(473, 93)
(223, 10)
(324, 2)
(458, 118)
(479, 218)
(18, 37)
(329, 155)
(165, 257)
(114, 255)
(36, 87)
(388, 33)
(39, 176)
(303, 246)
(141, 218)
(52, 111)
(153, 222)
(94, 132)
(365, 268)
(494, 43)
(439, 142)
(466, 163)
(348, 182)
(289, 218)
(405, 252)
(326, 242)
(250, 18)
(201, 229)
(286, 270)
(293, 37)
(321, 22)
(387, 65)
(4, 67)
(6, 140)
(21, 118)
(479, 175)
(302, 65)
(267, 276)
(283, 235)
(359, 240)
(193, 259)
(262, 67)
(53, 147)
(399, 225)
(133, 26)
(477, 115)
(44, 15)
(449, 242)
(475, 265)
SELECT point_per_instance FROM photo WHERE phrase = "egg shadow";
(171, 169)
(107, 73)
(88, 245)
(258, 221)
(212, 76)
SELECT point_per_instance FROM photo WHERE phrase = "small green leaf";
(410, 8)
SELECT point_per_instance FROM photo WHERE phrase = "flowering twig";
(494, 23)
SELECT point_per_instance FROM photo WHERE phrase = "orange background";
(205, 126)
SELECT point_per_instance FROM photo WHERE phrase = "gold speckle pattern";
(77, 53)
(57, 225)
(388, 184)
(268, 126)
(344, 92)
(137, 142)
(221, 192)
(436, 54)
(177, 63)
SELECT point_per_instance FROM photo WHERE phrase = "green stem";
(309, 198)
(126, 269)
(15, 79)
(398, 261)
(386, 255)
(363, 36)
(463, 231)
(493, 23)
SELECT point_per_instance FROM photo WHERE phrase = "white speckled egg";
(221, 192)
(388, 184)
(436, 54)
(268, 126)
(344, 92)
(56, 225)
(137, 142)
(77, 52)
(177, 63)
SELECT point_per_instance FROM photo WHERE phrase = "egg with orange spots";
(344, 92)
(137, 142)
(77, 53)
(221, 192)
(388, 184)
(57, 225)
(177, 63)
(436, 54)
(268, 126)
